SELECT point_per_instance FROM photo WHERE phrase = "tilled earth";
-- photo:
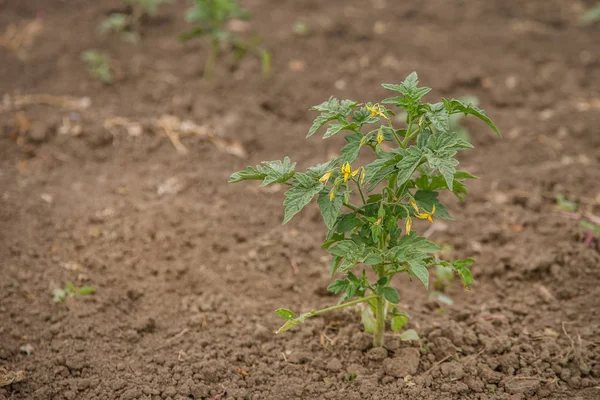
(189, 269)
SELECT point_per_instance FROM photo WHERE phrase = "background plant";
(592, 15)
(128, 24)
(99, 65)
(211, 18)
(60, 295)
(369, 210)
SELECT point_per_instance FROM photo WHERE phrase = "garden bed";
(96, 190)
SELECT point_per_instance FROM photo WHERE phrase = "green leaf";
(319, 122)
(379, 169)
(426, 199)
(85, 290)
(565, 204)
(302, 192)
(391, 295)
(289, 324)
(338, 286)
(335, 106)
(589, 226)
(319, 170)
(411, 94)
(363, 116)
(464, 175)
(352, 149)
(408, 87)
(347, 222)
(277, 171)
(419, 269)
(455, 106)
(343, 248)
(446, 166)
(352, 253)
(368, 320)
(334, 129)
(335, 263)
(331, 109)
(441, 142)
(285, 313)
(409, 335)
(373, 259)
(461, 266)
(414, 242)
(398, 322)
(383, 281)
(330, 209)
(439, 117)
(408, 165)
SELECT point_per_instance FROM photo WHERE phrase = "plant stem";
(408, 134)
(354, 208)
(378, 337)
(343, 305)
(362, 195)
(396, 137)
(209, 66)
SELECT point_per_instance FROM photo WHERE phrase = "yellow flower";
(425, 214)
(347, 171)
(332, 195)
(414, 205)
(326, 177)
(380, 137)
(408, 225)
(376, 110)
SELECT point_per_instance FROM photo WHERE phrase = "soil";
(188, 269)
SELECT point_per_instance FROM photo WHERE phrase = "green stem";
(362, 195)
(380, 305)
(343, 305)
(353, 208)
(378, 337)
(209, 66)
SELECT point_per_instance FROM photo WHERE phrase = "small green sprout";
(592, 15)
(60, 295)
(369, 209)
(99, 65)
(128, 24)
(211, 18)
(565, 204)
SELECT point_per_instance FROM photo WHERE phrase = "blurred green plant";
(565, 204)
(127, 25)
(211, 18)
(592, 15)
(300, 28)
(99, 65)
(60, 295)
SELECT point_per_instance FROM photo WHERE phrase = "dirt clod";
(405, 362)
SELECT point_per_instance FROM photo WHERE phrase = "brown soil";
(189, 269)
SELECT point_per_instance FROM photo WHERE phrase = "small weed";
(99, 65)
(60, 295)
(592, 15)
(211, 18)
(565, 204)
(127, 25)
